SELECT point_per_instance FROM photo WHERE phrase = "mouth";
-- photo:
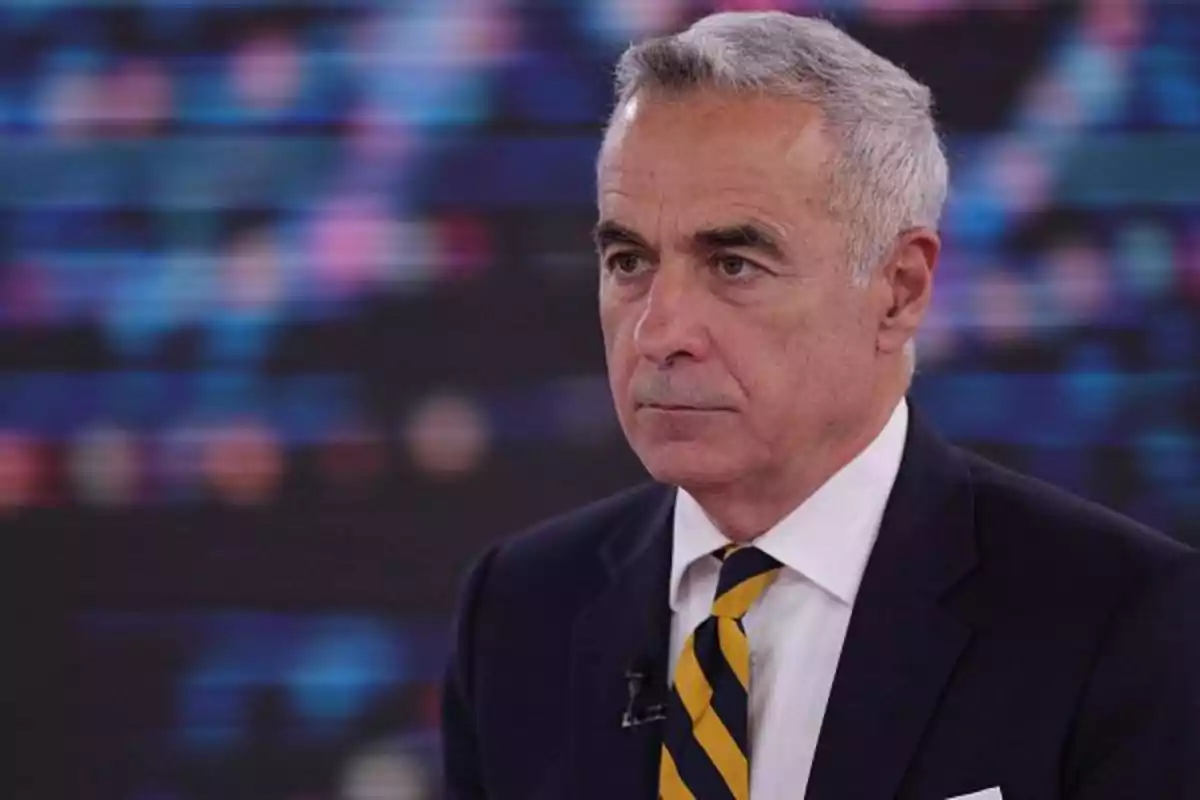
(681, 408)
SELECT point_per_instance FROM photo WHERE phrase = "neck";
(746, 509)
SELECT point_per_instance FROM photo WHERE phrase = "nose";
(671, 325)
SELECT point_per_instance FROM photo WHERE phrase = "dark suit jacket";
(1005, 634)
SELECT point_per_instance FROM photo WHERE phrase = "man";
(815, 597)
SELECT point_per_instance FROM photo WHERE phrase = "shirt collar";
(827, 538)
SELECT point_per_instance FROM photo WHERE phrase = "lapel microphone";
(638, 709)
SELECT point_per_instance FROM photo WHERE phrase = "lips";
(673, 407)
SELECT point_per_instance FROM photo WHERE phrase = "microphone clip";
(637, 711)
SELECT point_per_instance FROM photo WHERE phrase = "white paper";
(986, 794)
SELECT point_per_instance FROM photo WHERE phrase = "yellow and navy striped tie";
(706, 747)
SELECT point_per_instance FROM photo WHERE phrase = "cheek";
(761, 358)
(609, 322)
(834, 350)
(616, 329)
(799, 353)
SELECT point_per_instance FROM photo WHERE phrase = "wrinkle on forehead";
(696, 171)
(707, 160)
(705, 200)
(735, 204)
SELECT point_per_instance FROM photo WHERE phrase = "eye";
(734, 267)
(626, 265)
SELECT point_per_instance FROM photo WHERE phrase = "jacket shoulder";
(559, 559)
(581, 532)
(1057, 538)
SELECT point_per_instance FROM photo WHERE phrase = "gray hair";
(889, 173)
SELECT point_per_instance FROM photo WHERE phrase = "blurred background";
(297, 313)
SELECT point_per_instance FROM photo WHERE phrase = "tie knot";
(746, 572)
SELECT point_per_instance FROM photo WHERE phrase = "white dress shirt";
(797, 628)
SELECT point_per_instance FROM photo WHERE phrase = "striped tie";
(706, 748)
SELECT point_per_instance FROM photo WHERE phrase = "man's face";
(736, 340)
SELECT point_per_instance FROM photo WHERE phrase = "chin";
(689, 464)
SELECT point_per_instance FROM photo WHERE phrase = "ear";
(907, 288)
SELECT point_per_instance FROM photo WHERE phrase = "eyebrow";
(608, 233)
(746, 236)
(740, 237)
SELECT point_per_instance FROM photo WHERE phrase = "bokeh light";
(1003, 310)
(386, 772)
(621, 21)
(135, 99)
(252, 272)
(107, 466)
(243, 462)
(20, 471)
(354, 242)
(447, 435)
(1079, 282)
(266, 71)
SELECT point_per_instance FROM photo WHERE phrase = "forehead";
(706, 150)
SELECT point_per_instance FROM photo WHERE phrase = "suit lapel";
(627, 627)
(902, 644)
(900, 649)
